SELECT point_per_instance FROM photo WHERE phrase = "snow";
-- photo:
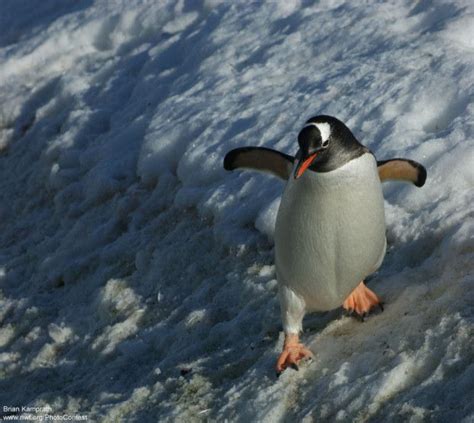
(136, 274)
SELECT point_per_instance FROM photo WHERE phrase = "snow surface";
(136, 275)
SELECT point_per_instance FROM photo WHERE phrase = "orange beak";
(303, 166)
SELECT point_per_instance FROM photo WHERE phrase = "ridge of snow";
(136, 275)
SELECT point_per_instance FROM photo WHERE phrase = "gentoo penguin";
(330, 227)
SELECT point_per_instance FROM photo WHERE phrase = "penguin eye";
(325, 143)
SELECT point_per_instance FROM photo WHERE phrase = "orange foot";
(293, 352)
(361, 301)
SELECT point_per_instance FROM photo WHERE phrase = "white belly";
(330, 232)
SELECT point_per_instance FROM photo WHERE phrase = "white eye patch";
(324, 130)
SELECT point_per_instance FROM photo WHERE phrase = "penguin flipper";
(260, 158)
(402, 170)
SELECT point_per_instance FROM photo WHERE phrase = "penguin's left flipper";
(260, 158)
(402, 170)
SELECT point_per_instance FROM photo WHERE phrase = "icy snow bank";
(136, 275)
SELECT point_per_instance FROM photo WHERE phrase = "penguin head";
(325, 144)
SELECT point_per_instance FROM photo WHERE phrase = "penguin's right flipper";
(260, 158)
(402, 170)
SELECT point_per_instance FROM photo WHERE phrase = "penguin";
(330, 226)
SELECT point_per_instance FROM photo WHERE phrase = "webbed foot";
(361, 301)
(293, 352)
